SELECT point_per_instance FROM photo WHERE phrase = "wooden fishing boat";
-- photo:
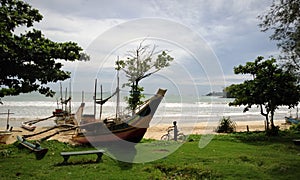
(63, 113)
(28, 126)
(36, 148)
(291, 120)
(129, 128)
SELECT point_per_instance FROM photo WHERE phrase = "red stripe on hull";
(132, 134)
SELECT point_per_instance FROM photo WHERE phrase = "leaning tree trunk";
(266, 116)
(267, 122)
(272, 120)
(134, 97)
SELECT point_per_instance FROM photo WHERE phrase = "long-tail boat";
(130, 128)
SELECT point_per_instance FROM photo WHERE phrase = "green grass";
(233, 156)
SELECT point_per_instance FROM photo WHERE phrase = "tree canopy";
(270, 88)
(283, 19)
(29, 60)
(139, 64)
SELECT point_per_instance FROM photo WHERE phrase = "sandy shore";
(62, 137)
(154, 132)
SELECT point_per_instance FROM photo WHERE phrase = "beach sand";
(209, 128)
(154, 132)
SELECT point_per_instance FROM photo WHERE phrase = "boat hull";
(130, 134)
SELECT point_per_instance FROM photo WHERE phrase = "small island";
(214, 93)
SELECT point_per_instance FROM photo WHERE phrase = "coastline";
(153, 132)
(209, 128)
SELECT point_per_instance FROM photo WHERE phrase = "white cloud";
(228, 26)
(97, 9)
(65, 28)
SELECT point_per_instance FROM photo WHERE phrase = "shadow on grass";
(77, 163)
(125, 165)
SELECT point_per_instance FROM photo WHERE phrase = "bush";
(273, 131)
(226, 125)
(295, 127)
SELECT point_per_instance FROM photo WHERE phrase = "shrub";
(273, 131)
(226, 125)
(295, 127)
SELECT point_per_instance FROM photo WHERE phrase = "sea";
(183, 109)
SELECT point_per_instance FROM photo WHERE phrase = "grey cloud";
(228, 26)
(97, 9)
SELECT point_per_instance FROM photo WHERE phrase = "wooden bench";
(66, 155)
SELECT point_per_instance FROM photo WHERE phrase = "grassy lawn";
(233, 156)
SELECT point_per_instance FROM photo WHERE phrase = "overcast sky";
(206, 38)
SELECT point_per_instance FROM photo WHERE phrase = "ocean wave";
(29, 103)
(187, 111)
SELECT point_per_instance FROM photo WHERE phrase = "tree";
(270, 88)
(283, 19)
(141, 63)
(29, 61)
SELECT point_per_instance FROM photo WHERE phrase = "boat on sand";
(129, 128)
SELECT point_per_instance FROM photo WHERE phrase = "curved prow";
(161, 92)
(143, 117)
(78, 114)
(150, 106)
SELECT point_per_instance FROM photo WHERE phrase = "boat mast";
(65, 111)
(118, 89)
(7, 121)
(61, 97)
(82, 96)
(101, 103)
(95, 98)
(70, 97)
